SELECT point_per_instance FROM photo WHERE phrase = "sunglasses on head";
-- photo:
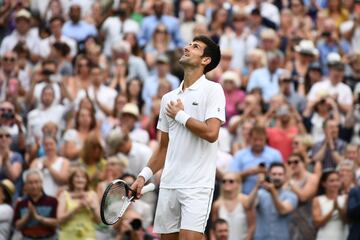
(5, 136)
(228, 181)
(293, 162)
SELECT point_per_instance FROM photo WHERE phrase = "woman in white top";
(329, 210)
(54, 168)
(7, 189)
(235, 208)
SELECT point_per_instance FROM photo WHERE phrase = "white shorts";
(185, 208)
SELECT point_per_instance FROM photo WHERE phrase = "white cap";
(231, 76)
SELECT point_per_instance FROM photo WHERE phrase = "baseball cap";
(23, 13)
(282, 111)
(231, 76)
(132, 109)
(162, 58)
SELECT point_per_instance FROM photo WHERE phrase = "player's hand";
(137, 186)
(174, 107)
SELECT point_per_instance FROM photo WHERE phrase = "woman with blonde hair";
(78, 209)
(235, 208)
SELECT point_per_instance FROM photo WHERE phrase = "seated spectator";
(254, 159)
(129, 121)
(352, 153)
(11, 162)
(329, 151)
(137, 153)
(74, 138)
(274, 205)
(35, 215)
(119, 76)
(286, 83)
(113, 120)
(221, 229)
(7, 189)
(55, 169)
(328, 209)
(78, 209)
(304, 185)
(134, 88)
(234, 208)
(92, 157)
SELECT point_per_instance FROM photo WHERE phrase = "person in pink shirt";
(288, 125)
(230, 80)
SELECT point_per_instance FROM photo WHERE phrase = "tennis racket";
(116, 199)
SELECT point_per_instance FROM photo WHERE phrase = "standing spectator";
(35, 215)
(7, 189)
(149, 24)
(240, 41)
(304, 185)
(254, 159)
(353, 213)
(78, 209)
(221, 229)
(136, 66)
(11, 162)
(234, 97)
(282, 134)
(329, 212)
(55, 169)
(266, 78)
(56, 25)
(114, 27)
(76, 28)
(22, 33)
(137, 153)
(85, 123)
(274, 205)
(161, 73)
(234, 208)
(329, 151)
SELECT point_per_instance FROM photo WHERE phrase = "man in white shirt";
(189, 123)
(23, 33)
(56, 24)
(334, 87)
(102, 96)
(115, 27)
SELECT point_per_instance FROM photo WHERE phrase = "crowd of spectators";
(80, 88)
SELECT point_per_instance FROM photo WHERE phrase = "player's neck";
(191, 76)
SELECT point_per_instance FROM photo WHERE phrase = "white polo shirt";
(190, 160)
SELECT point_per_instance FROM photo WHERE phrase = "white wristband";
(182, 117)
(146, 173)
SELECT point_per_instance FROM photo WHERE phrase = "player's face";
(192, 55)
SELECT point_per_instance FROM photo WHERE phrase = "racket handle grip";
(148, 188)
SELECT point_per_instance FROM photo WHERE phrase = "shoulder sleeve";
(163, 124)
(216, 103)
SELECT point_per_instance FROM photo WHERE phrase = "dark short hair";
(277, 164)
(57, 18)
(211, 50)
(219, 221)
(258, 130)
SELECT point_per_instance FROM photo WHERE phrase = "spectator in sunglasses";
(11, 162)
(235, 208)
(304, 185)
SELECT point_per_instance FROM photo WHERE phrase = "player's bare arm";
(208, 130)
(156, 162)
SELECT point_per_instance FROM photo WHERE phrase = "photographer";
(274, 204)
(14, 123)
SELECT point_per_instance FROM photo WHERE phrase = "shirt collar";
(193, 86)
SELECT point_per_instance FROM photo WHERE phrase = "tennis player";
(189, 121)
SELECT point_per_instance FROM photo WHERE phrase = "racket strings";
(116, 201)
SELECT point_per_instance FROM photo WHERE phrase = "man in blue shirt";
(254, 159)
(150, 23)
(76, 28)
(267, 78)
(274, 205)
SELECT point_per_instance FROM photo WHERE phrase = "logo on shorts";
(195, 103)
